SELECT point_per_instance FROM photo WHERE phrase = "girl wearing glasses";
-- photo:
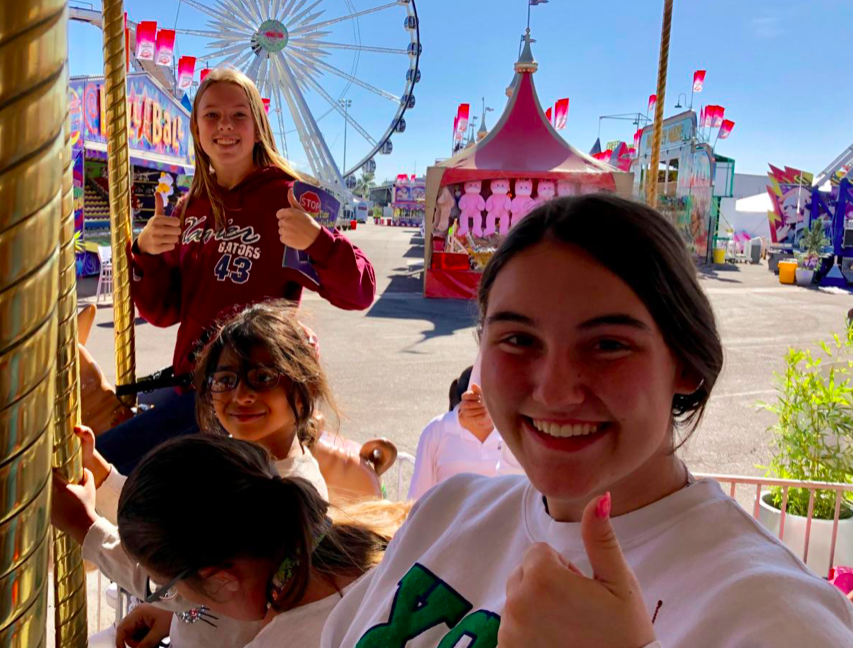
(599, 354)
(259, 380)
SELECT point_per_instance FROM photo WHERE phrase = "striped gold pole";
(33, 98)
(118, 163)
(652, 177)
(69, 576)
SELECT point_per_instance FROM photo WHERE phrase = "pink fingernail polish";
(602, 511)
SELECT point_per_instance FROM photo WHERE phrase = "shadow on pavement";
(715, 272)
(403, 299)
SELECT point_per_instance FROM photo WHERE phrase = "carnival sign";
(156, 122)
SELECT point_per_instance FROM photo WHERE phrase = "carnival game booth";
(161, 157)
(475, 197)
(686, 188)
(408, 200)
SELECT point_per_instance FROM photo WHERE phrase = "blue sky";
(777, 68)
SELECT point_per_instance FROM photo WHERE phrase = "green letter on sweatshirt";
(423, 601)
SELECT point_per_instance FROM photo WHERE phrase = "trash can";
(719, 256)
(787, 271)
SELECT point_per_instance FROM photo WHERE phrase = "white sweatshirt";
(102, 546)
(299, 627)
(720, 579)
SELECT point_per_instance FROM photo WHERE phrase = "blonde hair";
(264, 154)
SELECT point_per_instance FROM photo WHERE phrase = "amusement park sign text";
(155, 122)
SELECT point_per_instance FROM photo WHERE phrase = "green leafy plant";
(812, 244)
(813, 434)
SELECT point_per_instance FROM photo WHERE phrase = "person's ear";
(687, 381)
(219, 581)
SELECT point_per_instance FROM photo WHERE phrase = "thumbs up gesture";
(161, 233)
(296, 227)
(549, 602)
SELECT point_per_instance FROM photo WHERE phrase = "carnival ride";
(309, 59)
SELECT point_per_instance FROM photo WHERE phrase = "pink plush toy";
(545, 191)
(566, 188)
(445, 203)
(497, 207)
(522, 203)
(471, 207)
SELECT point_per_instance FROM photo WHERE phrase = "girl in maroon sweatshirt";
(222, 248)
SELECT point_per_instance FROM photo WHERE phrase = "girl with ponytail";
(211, 520)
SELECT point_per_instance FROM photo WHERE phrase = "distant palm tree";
(364, 184)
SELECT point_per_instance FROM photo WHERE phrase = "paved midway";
(391, 366)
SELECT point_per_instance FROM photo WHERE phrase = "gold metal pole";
(69, 576)
(652, 177)
(33, 96)
(118, 163)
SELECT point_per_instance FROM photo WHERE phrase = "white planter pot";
(820, 538)
(804, 277)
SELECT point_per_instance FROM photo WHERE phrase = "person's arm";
(424, 476)
(102, 546)
(347, 278)
(108, 480)
(154, 259)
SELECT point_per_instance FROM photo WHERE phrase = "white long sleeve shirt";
(446, 449)
(718, 578)
(102, 546)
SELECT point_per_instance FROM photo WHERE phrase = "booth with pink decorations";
(474, 198)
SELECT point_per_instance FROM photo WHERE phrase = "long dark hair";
(201, 500)
(645, 251)
(272, 327)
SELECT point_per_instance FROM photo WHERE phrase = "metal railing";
(763, 483)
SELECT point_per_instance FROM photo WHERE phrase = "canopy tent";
(523, 144)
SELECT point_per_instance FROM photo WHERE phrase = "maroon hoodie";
(211, 274)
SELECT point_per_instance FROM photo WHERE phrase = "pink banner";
(707, 116)
(165, 47)
(266, 105)
(145, 33)
(561, 113)
(186, 69)
(698, 80)
(726, 128)
(653, 99)
(126, 44)
(548, 116)
(203, 74)
(637, 137)
(462, 120)
(719, 112)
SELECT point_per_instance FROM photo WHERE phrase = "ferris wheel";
(319, 63)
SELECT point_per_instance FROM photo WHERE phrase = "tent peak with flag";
(523, 144)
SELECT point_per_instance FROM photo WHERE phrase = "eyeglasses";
(167, 591)
(258, 378)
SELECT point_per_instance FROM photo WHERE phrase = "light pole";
(345, 104)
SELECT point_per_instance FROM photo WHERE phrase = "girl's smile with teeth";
(566, 429)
